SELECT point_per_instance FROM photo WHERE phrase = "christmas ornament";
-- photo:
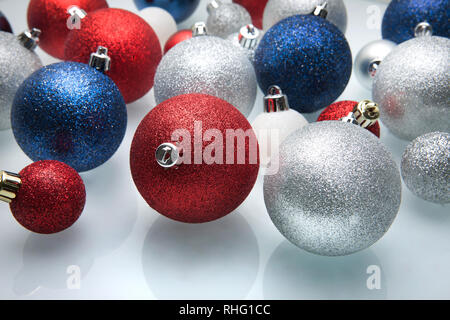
(402, 16)
(426, 167)
(255, 8)
(179, 9)
(365, 113)
(277, 10)
(411, 87)
(369, 58)
(133, 45)
(176, 38)
(337, 190)
(4, 23)
(275, 124)
(208, 65)
(70, 112)
(178, 168)
(17, 62)
(56, 18)
(246, 39)
(45, 197)
(308, 57)
(161, 22)
(226, 18)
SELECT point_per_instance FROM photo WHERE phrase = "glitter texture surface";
(308, 57)
(176, 38)
(16, 64)
(250, 53)
(208, 65)
(192, 193)
(341, 109)
(51, 197)
(50, 16)
(402, 16)
(179, 9)
(426, 167)
(69, 112)
(412, 87)
(228, 18)
(338, 189)
(277, 10)
(255, 8)
(132, 45)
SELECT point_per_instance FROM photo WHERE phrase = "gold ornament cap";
(9, 186)
(366, 113)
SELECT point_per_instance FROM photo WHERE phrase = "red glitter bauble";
(255, 8)
(51, 197)
(176, 38)
(341, 109)
(50, 16)
(196, 192)
(132, 45)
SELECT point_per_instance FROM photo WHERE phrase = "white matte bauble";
(277, 10)
(161, 22)
(368, 60)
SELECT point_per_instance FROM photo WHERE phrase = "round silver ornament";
(17, 62)
(337, 190)
(369, 58)
(426, 167)
(226, 18)
(277, 10)
(246, 40)
(411, 87)
(208, 65)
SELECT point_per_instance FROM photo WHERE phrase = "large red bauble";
(255, 8)
(132, 45)
(51, 197)
(50, 16)
(176, 38)
(196, 192)
(341, 109)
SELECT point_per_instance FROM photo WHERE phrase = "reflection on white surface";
(292, 273)
(216, 260)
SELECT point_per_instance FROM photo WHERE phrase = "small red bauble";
(50, 16)
(196, 192)
(341, 109)
(255, 8)
(132, 45)
(51, 197)
(176, 38)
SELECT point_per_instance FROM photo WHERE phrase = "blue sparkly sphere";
(179, 9)
(69, 112)
(402, 16)
(308, 57)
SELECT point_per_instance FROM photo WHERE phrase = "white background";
(124, 249)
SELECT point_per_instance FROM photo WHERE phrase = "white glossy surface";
(124, 249)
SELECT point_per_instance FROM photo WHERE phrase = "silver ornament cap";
(167, 155)
(275, 100)
(248, 37)
(29, 38)
(199, 29)
(100, 60)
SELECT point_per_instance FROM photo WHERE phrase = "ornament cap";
(373, 67)
(76, 12)
(167, 155)
(350, 118)
(9, 186)
(248, 36)
(275, 100)
(29, 38)
(100, 59)
(321, 10)
(199, 29)
(213, 5)
(423, 29)
(366, 113)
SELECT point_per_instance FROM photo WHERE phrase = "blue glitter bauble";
(402, 17)
(69, 112)
(308, 58)
(179, 9)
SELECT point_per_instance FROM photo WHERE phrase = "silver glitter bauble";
(369, 58)
(277, 10)
(226, 19)
(208, 65)
(16, 64)
(412, 87)
(337, 190)
(426, 167)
